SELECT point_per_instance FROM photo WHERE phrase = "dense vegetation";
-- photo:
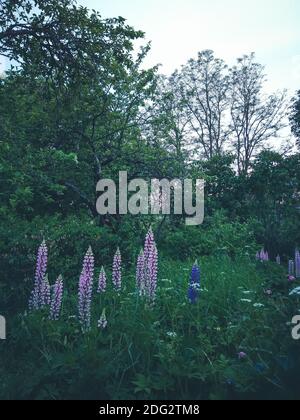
(77, 105)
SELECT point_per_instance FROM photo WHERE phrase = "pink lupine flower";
(140, 271)
(152, 272)
(102, 284)
(147, 268)
(117, 271)
(85, 290)
(56, 300)
(40, 294)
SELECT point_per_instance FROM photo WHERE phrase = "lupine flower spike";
(102, 323)
(278, 260)
(85, 291)
(195, 283)
(140, 272)
(40, 294)
(117, 271)
(102, 284)
(152, 273)
(56, 300)
(147, 268)
(291, 268)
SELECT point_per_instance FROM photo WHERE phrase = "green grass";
(171, 351)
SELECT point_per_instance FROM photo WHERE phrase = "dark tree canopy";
(295, 117)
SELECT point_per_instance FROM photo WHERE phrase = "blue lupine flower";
(195, 282)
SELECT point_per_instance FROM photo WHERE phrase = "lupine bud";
(85, 291)
(117, 271)
(194, 286)
(102, 281)
(56, 300)
(102, 323)
(140, 271)
(40, 294)
(297, 256)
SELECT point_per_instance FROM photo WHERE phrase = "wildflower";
(291, 268)
(40, 294)
(85, 290)
(195, 283)
(117, 271)
(242, 355)
(102, 323)
(102, 281)
(263, 255)
(147, 268)
(140, 271)
(56, 300)
(278, 260)
(291, 279)
(152, 273)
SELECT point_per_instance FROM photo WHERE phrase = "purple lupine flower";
(242, 355)
(147, 276)
(102, 282)
(278, 260)
(195, 282)
(297, 264)
(149, 244)
(291, 268)
(102, 323)
(56, 300)
(40, 294)
(263, 255)
(45, 292)
(152, 270)
(117, 271)
(140, 271)
(86, 290)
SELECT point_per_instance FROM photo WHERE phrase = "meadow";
(233, 341)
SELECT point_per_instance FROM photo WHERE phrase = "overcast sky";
(179, 29)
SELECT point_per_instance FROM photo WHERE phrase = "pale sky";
(179, 29)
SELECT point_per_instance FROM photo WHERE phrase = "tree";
(58, 39)
(204, 88)
(295, 117)
(255, 117)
